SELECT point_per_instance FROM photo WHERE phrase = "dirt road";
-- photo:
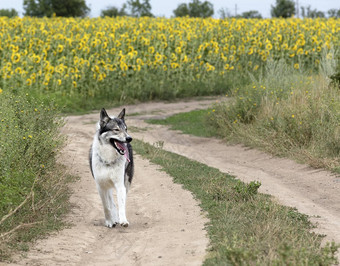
(166, 224)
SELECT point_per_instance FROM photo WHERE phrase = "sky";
(165, 7)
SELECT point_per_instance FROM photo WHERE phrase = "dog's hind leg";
(109, 206)
(121, 199)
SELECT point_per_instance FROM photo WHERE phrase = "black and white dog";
(111, 163)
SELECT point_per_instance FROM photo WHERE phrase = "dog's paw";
(124, 223)
(110, 224)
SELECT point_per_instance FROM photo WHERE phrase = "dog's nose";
(128, 139)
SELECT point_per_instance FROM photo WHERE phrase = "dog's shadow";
(138, 224)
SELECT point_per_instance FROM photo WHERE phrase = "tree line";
(142, 8)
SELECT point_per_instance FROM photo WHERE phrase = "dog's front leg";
(121, 198)
(112, 208)
(109, 206)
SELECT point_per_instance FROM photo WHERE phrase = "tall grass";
(32, 187)
(287, 113)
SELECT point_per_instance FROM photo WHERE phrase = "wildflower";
(174, 65)
(300, 51)
(15, 58)
(96, 69)
(151, 49)
(296, 66)
(158, 57)
(60, 48)
(293, 116)
(269, 46)
(99, 35)
(36, 59)
(209, 67)
(123, 66)
(18, 70)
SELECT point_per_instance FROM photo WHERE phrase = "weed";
(246, 191)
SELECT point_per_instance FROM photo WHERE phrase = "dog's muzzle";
(121, 147)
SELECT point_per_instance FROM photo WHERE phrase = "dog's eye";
(116, 129)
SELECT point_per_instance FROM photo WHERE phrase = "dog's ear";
(122, 114)
(104, 118)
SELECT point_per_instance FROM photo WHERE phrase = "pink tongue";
(124, 148)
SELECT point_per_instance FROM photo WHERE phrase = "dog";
(111, 163)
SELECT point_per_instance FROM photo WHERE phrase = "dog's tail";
(129, 170)
(90, 160)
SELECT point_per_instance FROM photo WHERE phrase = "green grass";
(193, 122)
(33, 188)
(246, 227)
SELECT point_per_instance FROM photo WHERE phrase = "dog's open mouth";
(121, 147)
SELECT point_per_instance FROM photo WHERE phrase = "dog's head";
(114, 131)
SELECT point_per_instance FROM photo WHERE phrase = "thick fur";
(111, 164)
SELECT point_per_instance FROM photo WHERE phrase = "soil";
(166, 223)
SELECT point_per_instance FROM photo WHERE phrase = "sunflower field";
(78, 60)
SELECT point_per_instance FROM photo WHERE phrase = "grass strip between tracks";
(246, 227)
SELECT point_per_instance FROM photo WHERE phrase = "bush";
(30, 181)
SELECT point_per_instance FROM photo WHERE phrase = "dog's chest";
(108, 165)
(107, 153)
